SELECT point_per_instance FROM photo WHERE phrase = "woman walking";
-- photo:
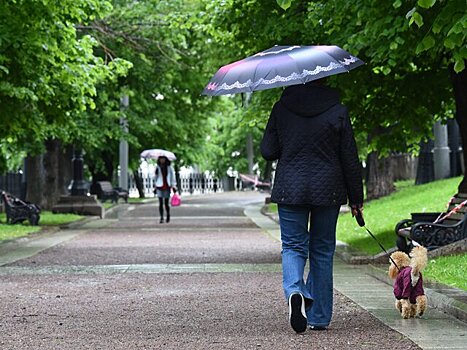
(318, 170)
(165, 181)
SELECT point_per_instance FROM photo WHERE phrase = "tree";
(165, 45)
(78, 58)
(48, 78)
(446, 22)
(225, 148)
(48, 74)
(410, 72)
(393, 99)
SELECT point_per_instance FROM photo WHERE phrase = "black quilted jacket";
(310, 134)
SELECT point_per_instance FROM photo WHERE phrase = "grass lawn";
(139, 200)
(448, 270)
(47, 219)
(14, 231)
(382, 215)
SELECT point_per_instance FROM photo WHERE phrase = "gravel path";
(74, 305)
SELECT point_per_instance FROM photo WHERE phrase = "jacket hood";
(310, 99)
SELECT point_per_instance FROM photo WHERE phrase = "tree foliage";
(408, 47)
(393, 98)
(165, 45)
(48, 73)
(65, 65)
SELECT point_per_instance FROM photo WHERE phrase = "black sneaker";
(297, 315)
(317, 328)
(168, 218)
(161, 221)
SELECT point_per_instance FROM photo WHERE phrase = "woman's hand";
(356, 208)
(357, 213)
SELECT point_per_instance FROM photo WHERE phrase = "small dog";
(408, 281)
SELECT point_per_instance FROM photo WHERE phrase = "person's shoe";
(297, 315)
(317, 328)
(168, 219)
(161, 221)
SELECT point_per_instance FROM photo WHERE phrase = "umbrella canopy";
(280, 66)
(156, 153)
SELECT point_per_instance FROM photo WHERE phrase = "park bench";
(17, 210)
(433, 230)
(106, 191)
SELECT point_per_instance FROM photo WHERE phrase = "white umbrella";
(156, 153)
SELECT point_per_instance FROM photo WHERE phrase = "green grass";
(139, 200)
(271, 208)
(107, 205)
(50, 219)
(382, 215)
(15, 231)
(47, 219)
(448, 270)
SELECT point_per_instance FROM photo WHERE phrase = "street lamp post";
(79, 187)
(123, 151)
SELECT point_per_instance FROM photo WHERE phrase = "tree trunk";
(425, 166)
(403, 165)
(34, 180)
(380, 177)
(139, 183)
(109, 167)
(177, 176)
(48, 175)
(51, 190)
(459, 82)
(249, 152)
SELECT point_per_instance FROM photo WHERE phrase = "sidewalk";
(211, 279)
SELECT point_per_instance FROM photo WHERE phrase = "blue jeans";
(309, 232)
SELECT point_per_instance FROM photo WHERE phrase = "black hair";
(167, 161)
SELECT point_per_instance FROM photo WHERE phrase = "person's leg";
(295, 241)
(161, 210)
(295, 237)
(319, 283)
(167, 208)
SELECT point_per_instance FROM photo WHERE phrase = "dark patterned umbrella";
(280, 66)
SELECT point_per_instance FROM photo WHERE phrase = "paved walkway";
(208, 280)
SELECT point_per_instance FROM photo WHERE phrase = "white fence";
(188, 184)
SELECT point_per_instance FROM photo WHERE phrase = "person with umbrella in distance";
(165, 181)
(310, 135)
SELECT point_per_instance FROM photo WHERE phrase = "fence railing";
(188, 184)
(13, 184)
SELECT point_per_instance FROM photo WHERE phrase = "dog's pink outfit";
(403, 288)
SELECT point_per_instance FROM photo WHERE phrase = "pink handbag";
(176, 200)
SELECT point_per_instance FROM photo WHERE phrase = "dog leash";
(361, 223)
